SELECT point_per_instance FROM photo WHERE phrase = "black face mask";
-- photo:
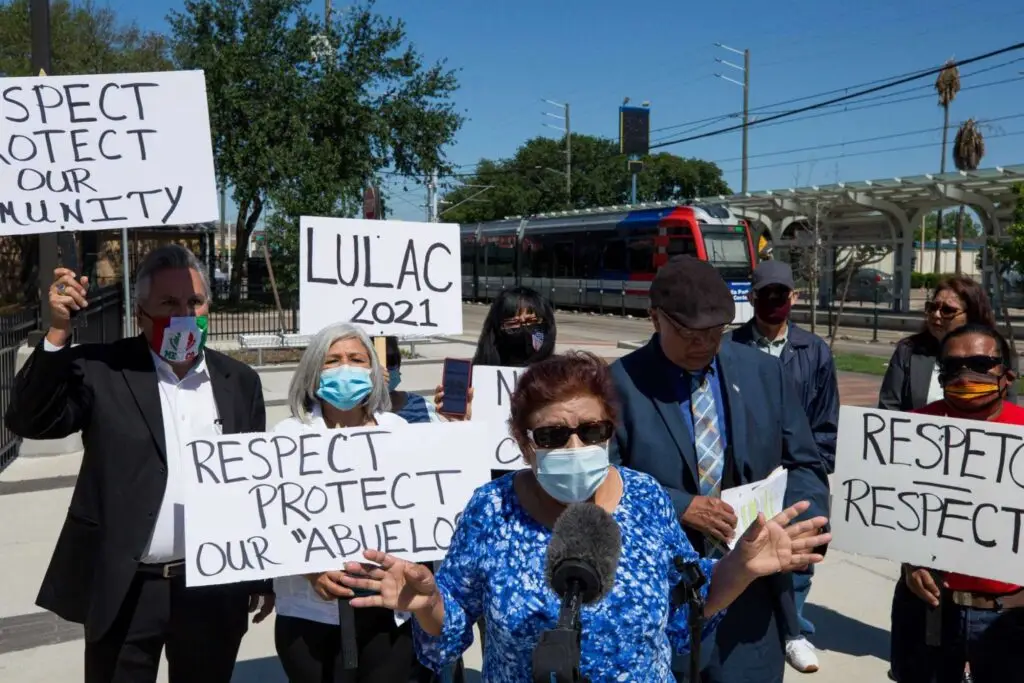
(518, 346)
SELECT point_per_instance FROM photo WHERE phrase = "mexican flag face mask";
(178, 339)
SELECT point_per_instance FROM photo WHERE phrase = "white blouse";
(935, 392)
(295, 596)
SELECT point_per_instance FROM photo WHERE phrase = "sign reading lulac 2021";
(387, 277)
(104, 152)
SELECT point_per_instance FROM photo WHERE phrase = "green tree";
(534, 181)
(303, 115)
(84, 39)
(971, 227)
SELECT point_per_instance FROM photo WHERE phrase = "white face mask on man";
(572, 475)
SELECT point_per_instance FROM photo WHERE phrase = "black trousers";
(200, 627)
(310, 651)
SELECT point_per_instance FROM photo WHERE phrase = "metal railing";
(255, 313)
(99, 323)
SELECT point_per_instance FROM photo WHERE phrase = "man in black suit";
(118, 567)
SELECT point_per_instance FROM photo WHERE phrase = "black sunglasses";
(945, 310)
(556, 436)
(953, 365)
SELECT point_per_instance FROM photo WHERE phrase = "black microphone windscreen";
(585, 546)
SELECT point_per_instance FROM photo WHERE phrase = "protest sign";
(934, 492)
(259, 506)
(492, 391)
(388, 277)
(101, 152)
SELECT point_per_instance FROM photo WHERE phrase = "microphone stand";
(556, 658)
(688, 591)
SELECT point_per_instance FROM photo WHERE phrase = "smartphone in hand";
(456, 380)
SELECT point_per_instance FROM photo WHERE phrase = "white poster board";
(492, 391)
(388, 277)
(935, 492)
(105, 152)
(259, 506)
(766, 497)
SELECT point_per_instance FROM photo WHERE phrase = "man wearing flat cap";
(807, 360)
(700, 416)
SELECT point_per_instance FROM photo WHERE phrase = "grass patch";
(862, 363)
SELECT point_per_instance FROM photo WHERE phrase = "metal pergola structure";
(884, 211)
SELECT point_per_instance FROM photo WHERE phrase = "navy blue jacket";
(765, 431)
(807, 359)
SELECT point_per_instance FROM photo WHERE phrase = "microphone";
(582, 558)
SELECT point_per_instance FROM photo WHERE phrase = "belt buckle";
(166, 571)
(963, 598)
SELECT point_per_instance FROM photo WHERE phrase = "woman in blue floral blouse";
(563, 416)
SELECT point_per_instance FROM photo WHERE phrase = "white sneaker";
(800, 655)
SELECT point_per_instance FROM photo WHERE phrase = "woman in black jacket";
(911, 382)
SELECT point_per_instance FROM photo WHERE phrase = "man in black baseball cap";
(700, 417)
(807, 360)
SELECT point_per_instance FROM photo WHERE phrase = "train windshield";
(729, 253)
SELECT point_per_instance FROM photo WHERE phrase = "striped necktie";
(708, 444)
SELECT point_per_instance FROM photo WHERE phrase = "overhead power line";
(867, 153)
(770, 108)
(841, 98)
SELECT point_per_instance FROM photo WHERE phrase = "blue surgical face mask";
(345, 387)
(572, 475)
(394, 378)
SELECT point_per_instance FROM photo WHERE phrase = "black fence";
(255, 311)
(101, 322)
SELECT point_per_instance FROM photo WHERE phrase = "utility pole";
(745, 84)
(566, 130)
(39, 22)
(432, 215)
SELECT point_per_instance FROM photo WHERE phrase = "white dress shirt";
(188, 411)
(294, 596)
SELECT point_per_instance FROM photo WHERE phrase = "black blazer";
(909, 375)
(109, 393)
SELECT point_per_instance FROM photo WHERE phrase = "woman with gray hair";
(339, 383)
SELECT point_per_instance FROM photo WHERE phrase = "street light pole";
(745, 84)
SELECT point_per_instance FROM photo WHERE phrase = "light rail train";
(604, 259)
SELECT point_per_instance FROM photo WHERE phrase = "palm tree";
(947, 85)
(968, 150)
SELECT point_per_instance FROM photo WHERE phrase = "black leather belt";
(168, 570)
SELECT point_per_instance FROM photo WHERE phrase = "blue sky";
(593, 53)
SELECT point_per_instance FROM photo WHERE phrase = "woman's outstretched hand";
(399, 585)
(776, 545)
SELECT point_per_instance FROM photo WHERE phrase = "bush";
(926, 280)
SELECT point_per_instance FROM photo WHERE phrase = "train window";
(588, 256)
(641, 256)
(501, 260)
(680, 246)
(537, 260)
(563, 259)
(614, 256)
(468, 257)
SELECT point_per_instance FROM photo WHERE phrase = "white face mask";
(572, 475)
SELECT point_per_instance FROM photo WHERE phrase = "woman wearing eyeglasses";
(912, 379)
(912, 382)
(562, 417)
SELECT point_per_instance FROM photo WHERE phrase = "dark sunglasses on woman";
(945, 310)
(556, 436)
